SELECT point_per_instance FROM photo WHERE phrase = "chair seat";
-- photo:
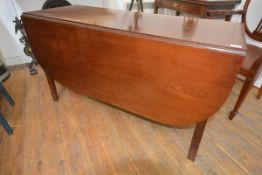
(253, 52)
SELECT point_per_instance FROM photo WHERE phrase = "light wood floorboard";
(81, 136)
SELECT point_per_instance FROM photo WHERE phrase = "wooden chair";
(3, 121)
(194, 7)
(252, 63)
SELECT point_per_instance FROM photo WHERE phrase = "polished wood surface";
(79, 136)
(194, 7)
(164, 28)
(171, 79)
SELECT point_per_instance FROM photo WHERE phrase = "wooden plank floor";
(80, 136)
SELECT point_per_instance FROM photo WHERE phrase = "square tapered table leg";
(197, 136)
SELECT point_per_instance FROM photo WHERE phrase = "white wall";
(10, 46)
(27, 5)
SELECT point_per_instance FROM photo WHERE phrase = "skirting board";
(11, 61)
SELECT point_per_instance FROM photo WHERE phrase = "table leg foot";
(197, 136)
(52, 87)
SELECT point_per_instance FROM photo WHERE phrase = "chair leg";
(197, 136)
(138, 5)
(4, 92)
(5, 125)
(242, 96)
(52, 87)
(141, 5)
(228, 18)
(155, 9)
(259, 94)
(131, 5)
